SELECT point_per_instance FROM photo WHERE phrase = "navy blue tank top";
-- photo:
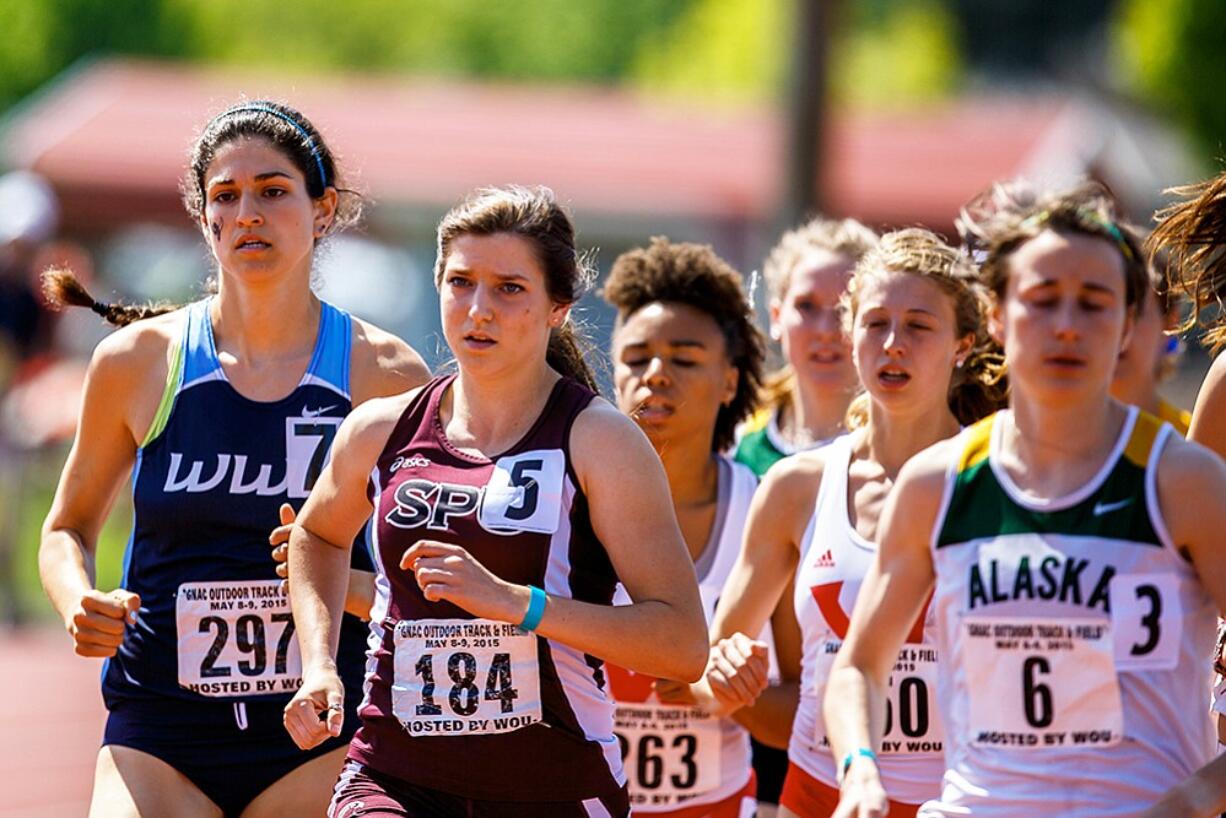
(207, 485)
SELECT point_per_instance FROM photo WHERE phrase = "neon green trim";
(168, 394)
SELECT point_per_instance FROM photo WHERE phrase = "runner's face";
(258, 218)
(904, 341)
(808, 322)
(496, 310)
(1063, 319)
(671, 372)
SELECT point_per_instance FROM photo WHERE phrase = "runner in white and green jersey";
(1068, 544)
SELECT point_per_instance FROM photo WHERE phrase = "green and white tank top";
(1073, 638)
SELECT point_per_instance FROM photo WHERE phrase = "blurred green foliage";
(1172, 53)
(882, 52)
(731, 49)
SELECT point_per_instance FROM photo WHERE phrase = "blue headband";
(319, 162)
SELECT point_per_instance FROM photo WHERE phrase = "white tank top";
(1075, 639)
(834, 559)
(677, 756)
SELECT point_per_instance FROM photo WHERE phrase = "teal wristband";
(536, 609)
(862, 752)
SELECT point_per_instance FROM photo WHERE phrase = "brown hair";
(843, 237)
(61, 288)
(1192, 233)
(532, 213)
(995, 233)
(977, 387)
(287, 130)
(692, 274)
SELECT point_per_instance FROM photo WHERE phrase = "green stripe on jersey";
(177, 353)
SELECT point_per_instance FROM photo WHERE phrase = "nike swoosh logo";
(1101, 508)
(314, 413)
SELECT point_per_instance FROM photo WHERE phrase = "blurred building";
(112, 138)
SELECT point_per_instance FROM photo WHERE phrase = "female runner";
(687, 365)
(227, 408)
(806, 401)
(916, 317)
(506, 495)
(1070, 540)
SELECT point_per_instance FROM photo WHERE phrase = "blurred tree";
(890, 53)
(1170, 51)
(593, 40)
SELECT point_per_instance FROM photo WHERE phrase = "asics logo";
(415, 461)
(1101, 508)
(314, 413)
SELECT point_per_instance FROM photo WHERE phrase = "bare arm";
(770, 718)
(383, 364)
(127, 363)
(1201, 795)
(1191, 484)
(319, 545)
(892, 596)
(662, 633)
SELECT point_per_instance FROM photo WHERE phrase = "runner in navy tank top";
(227, 421)
(500, 498)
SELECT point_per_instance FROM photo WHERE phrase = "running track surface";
(50, 727)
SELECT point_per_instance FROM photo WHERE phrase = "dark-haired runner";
(224, 410)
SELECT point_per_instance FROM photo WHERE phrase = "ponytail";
(61, 288)
(565, 355)
(980, 386)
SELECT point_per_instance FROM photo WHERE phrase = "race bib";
(1147, 619)
(465, 677)
(236, 639)
(308, 447)
(912, 724)
(670, 753)
(1036, 683)
(524, 493)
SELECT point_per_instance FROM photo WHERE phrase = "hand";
(317, 710)
(738, 671)
(97, 622)
(862, 795)
(279, 540)
(449, 572)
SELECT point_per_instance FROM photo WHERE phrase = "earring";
(959, 362)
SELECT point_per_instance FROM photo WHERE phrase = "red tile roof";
(113, 136)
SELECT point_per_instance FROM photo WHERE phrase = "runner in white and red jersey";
(687, 363)
(500, 499)
(917, 325)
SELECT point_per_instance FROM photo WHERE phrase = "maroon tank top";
(475, 707)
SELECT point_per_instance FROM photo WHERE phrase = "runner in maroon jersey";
(504, 496)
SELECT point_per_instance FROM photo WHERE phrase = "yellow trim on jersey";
(1141, 441)
(978, 442)
(1181, 419)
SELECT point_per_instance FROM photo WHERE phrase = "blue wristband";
(536, 609)
(862, 752)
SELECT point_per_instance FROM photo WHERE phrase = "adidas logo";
(825, 560)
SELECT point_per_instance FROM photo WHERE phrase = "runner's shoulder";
(138, 351)
(383, 363)
(793, 482)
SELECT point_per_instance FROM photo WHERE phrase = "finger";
(281, 553)
(335, 713)
(106, 605)
(129, 601)
(749, 667)
(283, 570)
(84, 620)
(280, 534)
(737, 683)
(302, 722)
(436, 591)
(99, 641)
(285, 587)
(287, 515)
(426, 548)
(93, 651)
(429, 576)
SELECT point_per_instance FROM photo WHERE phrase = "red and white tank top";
(470, 706)
(679, 756)
(834, 560)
